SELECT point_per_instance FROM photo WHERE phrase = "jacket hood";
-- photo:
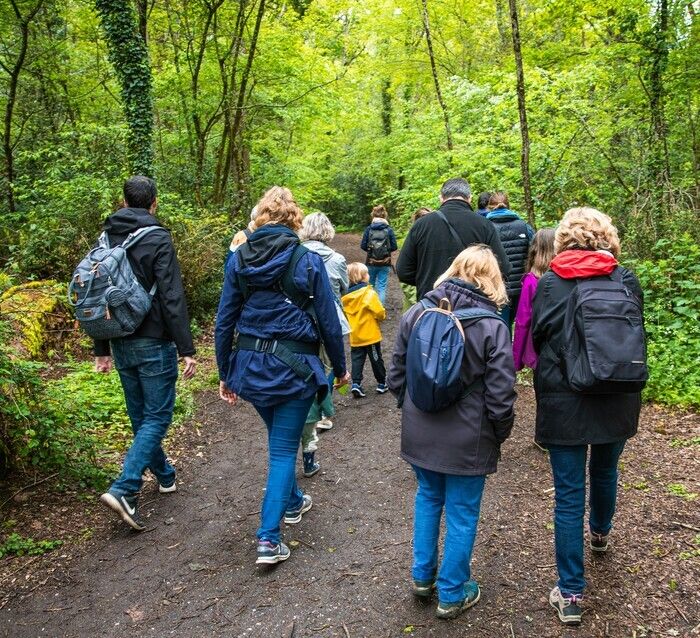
(461, 295)
(265, 256)
(573, 264)
(353, 301)
(320, 248)
(502, 215)
(378, 222)
(127, 220)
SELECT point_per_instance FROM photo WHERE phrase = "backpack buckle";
(268, 346)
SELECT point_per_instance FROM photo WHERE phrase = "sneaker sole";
(382, 391)
(167, 490)
(357, 395)
(567, 620)
(453, 613)
(310, 474)
(599, 550)
(297, 518)
(272, 560)
(324, 427)
(113, 503)
(423, 592)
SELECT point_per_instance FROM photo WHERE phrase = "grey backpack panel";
(108, 299)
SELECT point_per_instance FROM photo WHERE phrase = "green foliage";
(680, 490)
(17, 545)
(671, 284)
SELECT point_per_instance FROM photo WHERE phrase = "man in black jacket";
(147, 360)
(435, 240)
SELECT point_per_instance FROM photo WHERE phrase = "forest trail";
(192, 573)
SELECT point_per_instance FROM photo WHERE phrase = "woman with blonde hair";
(454, 449)
(276, 308)
(570, 421)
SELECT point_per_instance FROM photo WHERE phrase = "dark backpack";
(605, 343)
(435, 353)
(108, 300)
(379, 246)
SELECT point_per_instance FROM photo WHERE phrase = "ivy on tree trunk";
(129, 56)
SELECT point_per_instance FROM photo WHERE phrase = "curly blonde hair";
(357, 272)
(477, 265)
(586, 229)
(277, 206)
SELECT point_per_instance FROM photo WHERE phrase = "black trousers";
(359, 354)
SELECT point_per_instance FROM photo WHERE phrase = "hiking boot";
(382, 388)
(357, 391)
(567, 607)
(167, 489)
(423, 588)
(452, 610)
(270, 554)
(310, 466)
(324, 424)
(294, 516)
(599, 542)
(125, 506)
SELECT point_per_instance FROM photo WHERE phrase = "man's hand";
(190, 367)
(344, 380)
(103, 364)
(226, 395)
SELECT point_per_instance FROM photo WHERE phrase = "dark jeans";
(148, 372)
(569, 472)
(285, 423)
(359, 354)
(460, 497)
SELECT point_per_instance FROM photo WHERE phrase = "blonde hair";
(357, 272)
(541, 252)
(380, 212)
(318, 227)
(586, 229)
(477, 265)
(277, 206)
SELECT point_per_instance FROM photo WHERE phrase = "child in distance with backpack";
(364, 312)
(453, 447)
(379, 242)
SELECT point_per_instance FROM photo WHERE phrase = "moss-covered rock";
(39, 315)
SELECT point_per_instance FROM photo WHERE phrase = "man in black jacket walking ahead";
(147, 360)
(435, 240)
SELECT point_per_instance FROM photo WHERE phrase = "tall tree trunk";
(129, 57)
(522, 111)
(142, 12)
(15, 72)
(659, 139)
(433, 66)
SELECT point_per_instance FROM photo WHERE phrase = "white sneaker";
(167, 490)
(324, 424)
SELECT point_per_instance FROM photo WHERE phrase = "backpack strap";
(134, 238)
(477, 313)
(453, 232)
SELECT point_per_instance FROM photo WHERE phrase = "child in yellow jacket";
(364, 312)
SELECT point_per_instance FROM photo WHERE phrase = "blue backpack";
(435, 353)
(108, 300)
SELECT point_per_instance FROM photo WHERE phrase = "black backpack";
(379, 246)
(605, 343)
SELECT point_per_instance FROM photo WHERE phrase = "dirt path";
(192, 573)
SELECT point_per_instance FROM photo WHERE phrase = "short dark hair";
(456, 187)
(140, 191)
(484, 200)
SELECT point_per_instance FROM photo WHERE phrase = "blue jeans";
(148, 372)
(569, 472)
(379, 280)
(285, 423)
(460, 496)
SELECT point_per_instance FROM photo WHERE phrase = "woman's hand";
(226, 395)
(344, 380)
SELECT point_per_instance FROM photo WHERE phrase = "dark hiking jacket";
(153, 259)
(379, 224)
(515, 235)
(259, 377)
(465, 438)
(565, 417)
(430, 247)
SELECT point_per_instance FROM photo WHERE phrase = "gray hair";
(317, 227)
(253, 213)
(456, 187)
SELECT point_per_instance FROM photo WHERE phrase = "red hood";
(571, 264)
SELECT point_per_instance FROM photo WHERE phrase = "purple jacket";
(465, 438)
(524, 355)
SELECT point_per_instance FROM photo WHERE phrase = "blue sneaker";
(568, 607)
(271, 554)
(452, 610)
(357, 391)
(294, 516)
(382, 388)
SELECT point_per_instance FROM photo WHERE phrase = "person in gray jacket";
(453, 450)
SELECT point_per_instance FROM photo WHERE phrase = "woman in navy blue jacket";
(267, 349)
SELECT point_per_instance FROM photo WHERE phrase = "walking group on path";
(289, 300)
